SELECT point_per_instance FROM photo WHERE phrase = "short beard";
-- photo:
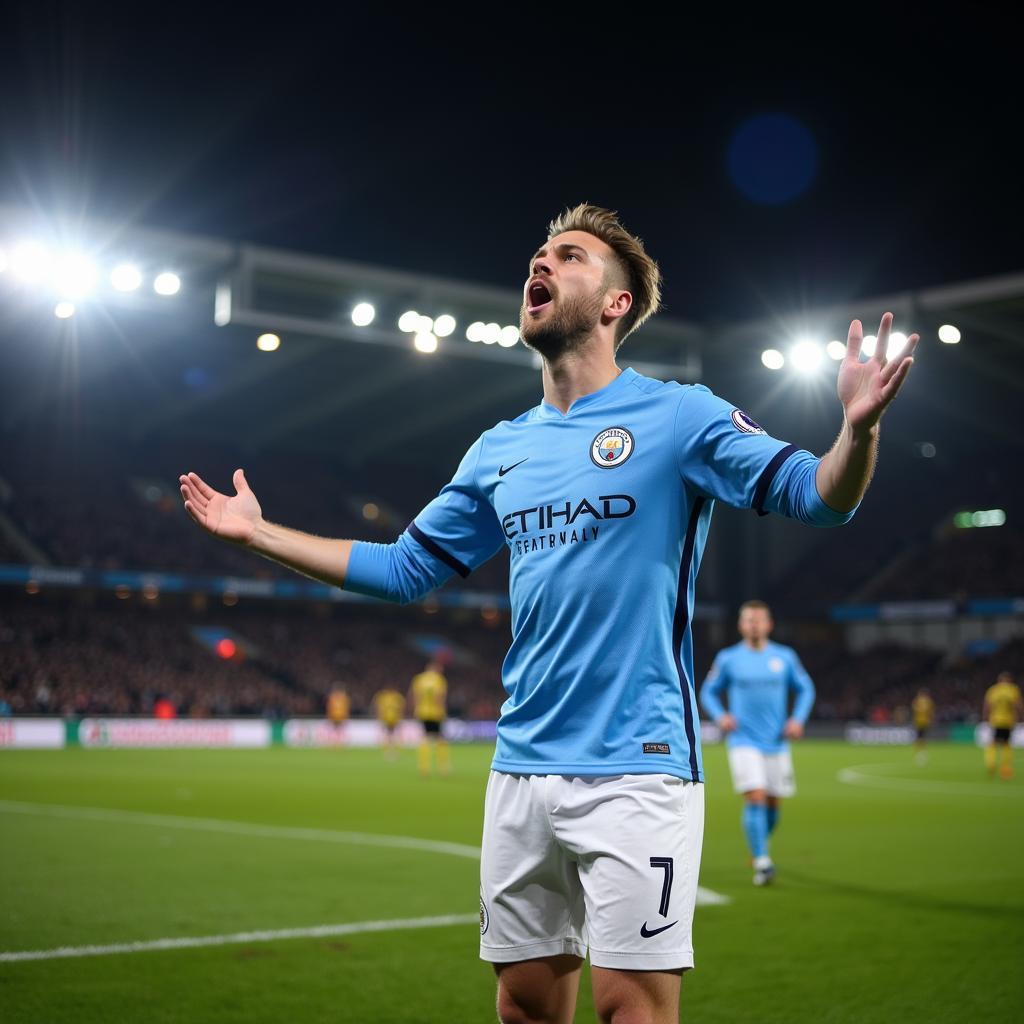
(566, 330)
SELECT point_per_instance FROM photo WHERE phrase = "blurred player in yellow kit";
(389, 706)
(338, 706)
(1003, 709)
(427, 695)
(923, 709)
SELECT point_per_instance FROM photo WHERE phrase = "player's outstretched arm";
(866, 390)
(239, 519)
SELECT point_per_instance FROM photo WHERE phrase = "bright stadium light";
(268, 342)
(867, 346)
(444, 325)
(773, 359)
(425, 325)
(949, 335)
(425, 342)
(167, 283)
(30, 261)
(492, 334)
(509, 336)
(126, 277)
(475, 331)
(896, 342)
(408, 322)
(74, 275)
(836, 350)
(363, 314)
(64, 310)
(806, 356)
(3, 260)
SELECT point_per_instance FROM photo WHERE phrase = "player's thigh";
(639, 846)
(781, 778)
(531, 898)
(748, 769)
(648, 996)
(543, 989)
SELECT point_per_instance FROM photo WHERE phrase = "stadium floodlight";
(867, 346)
(3, 260)
(74, 275)
(126, 277)
(425, 325)
(949, 335)
(773, 359)
(509, 336)
(64, 310)
(363, 314)
(408, 322)
(806, 356)
(167, 283)
(371, 511)
(268, 342)
(444, 325)
(492, 334)
(425, 341)
(30, 261)
(475, 331)
(836, 350)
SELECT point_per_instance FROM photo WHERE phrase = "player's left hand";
(793, 729)
(866, 389)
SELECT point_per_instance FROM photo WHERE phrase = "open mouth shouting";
(538, 295)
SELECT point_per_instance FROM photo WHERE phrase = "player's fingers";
(854, 340)
(895, 363)
(892, 389)
(191, 510)
(882, 340)
(202, 486)
(190, 493)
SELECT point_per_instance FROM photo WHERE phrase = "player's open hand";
(793, 730)
(231, 518)
(866, 389)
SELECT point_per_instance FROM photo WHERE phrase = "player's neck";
(576, 374)
(757, 645)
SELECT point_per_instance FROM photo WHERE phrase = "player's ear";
(618, 302)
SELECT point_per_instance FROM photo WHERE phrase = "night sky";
(445, 143)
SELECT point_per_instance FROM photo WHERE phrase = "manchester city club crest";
(612, 447)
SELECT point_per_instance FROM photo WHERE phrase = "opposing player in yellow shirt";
(1003, 709)
(427, 694)
(389, 706)
(923, 709)
(338, 706)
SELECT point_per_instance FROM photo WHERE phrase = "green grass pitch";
(898, 897)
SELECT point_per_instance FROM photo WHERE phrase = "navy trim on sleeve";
(437, 551)
(764, 481)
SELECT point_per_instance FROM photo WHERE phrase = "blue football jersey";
(757, 685)
(603, 511)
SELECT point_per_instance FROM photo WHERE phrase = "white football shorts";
(753, 769)
(607, 862)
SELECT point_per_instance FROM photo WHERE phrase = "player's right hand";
(232, 518)
(727, 723)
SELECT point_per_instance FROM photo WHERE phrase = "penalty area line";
(240, 938)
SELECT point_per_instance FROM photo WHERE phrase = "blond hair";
(639, 272)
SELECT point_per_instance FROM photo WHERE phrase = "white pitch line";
(857, 775)
(705, 897)
(240, 938)
(240, 828)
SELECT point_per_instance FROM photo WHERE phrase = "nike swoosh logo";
(503, 469)
(655, 931)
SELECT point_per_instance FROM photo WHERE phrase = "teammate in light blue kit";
(602, 496)
(757, 676)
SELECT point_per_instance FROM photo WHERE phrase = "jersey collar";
(595, 398)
